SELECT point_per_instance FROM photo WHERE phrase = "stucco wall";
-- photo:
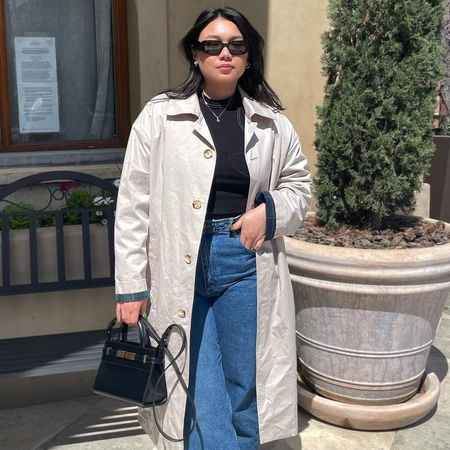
(290, 28)
(293, 62)
(181, 16)
(148, 52)
(57, 312)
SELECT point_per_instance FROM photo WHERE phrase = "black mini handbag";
(134, 371)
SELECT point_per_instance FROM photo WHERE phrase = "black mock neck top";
(229, 191)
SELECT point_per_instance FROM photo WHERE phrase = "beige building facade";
(291, 30)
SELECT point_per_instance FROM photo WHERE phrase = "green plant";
(46, 219)
(77, 199)
(18, 217)
(82, 199)
(382, 62)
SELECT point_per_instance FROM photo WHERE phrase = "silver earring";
(196, 63)
(247, 66)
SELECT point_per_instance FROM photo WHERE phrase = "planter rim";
(436, 253)
(411, 266)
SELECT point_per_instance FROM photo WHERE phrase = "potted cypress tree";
(367, 309)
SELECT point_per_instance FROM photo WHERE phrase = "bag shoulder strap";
(163, 343)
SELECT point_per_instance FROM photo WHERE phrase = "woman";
(212, 179)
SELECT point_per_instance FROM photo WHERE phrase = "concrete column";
(148, 51)
(293, 66)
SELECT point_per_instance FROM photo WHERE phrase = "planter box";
(47, 260)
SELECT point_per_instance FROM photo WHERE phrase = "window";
(63, 74)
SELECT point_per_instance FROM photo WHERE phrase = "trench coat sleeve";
(292, 193)
(265, 197)
(132, 215)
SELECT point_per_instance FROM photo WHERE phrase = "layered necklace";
(217, 116)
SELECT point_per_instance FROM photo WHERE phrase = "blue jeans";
(223, 344)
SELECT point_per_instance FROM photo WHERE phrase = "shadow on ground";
(98, 425)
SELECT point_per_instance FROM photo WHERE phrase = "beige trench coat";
(164, 190)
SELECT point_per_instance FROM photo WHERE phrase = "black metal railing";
(103, 189)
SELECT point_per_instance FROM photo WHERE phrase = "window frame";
(121, 88)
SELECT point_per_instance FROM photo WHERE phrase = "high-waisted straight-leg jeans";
(223, 343)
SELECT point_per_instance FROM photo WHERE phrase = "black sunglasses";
(215, 47)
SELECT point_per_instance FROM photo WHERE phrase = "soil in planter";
(401, 232)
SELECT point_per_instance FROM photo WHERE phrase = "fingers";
(253, 227)
(143, 308)
(128, 312)
(118, 312)
(250, 244)
(238, 224)
(259, 244)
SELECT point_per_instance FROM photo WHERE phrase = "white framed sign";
(37, 84)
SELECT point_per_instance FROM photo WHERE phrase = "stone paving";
(94, 423)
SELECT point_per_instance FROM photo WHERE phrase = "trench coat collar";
(254, 110)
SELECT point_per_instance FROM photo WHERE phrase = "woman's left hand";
(253, 227)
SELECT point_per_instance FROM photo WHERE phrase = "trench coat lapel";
(250, 136)
(190, 109)
(202, 131)
(254, 112)
(256, 118)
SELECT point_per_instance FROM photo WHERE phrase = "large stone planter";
(366, 319)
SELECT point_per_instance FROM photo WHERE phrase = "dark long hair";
(252, 81)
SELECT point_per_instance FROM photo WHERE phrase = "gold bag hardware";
(121, 354)
(126, 355)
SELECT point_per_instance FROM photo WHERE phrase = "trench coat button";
(196, 204)
(208, 153)
(181, 313)
(187, 258)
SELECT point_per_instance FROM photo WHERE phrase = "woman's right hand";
(128, 312)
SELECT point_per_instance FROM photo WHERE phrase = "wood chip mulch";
(402, 232)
